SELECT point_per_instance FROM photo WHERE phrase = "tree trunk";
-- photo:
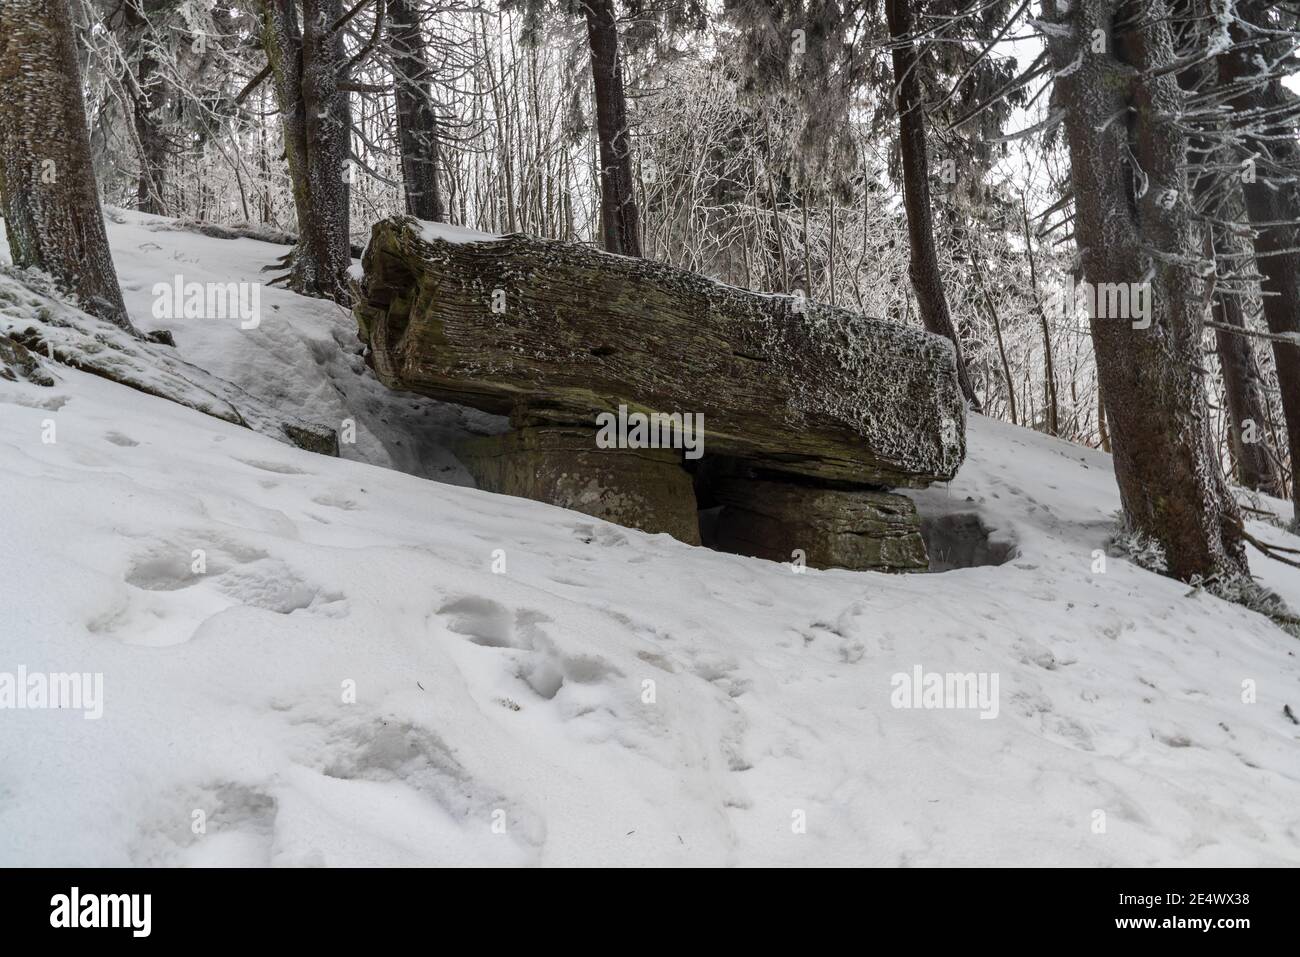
(1049, 367)
(997, 332)
(1244, 393)
(1273, 204)
(146, 99)
(1103, 433)
(317, 124)
(417, 126)
(1168, 473)
(1221, 199)
(153, 146)
(1247, 404)
(47, 184)
(618, 212)
(924, 267)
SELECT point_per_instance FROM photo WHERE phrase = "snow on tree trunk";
(1257, 466)
(1135, 228)
(417, 126)
(1220, 199)
(620, 220)
(317, 123)
(554, 333)
(1273, 204)
(47, 184)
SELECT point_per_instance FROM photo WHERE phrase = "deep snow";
(503, 716)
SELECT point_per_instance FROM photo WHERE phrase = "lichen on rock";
(556, 332)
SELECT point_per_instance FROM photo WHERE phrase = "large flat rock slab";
(555, 333)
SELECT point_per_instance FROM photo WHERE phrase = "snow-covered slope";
(304, 355)
(534, 686)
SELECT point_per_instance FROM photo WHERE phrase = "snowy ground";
(504, 717)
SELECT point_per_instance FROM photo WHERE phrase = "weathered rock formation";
(641, 488)
(829, 527)
(19, 364)
(554, 334)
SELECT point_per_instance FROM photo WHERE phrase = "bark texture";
(307, 62)
(927, 281)
(47, 184)
(1120, 109)
(147, 99)
(619, 218)
(1257, 465)
(1220, 200)
(1273, 204)
(554, 332)
(417, 125)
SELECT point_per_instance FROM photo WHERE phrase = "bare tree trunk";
(1049, 370)
(781, 260)
(307, 63)
(997, 332)
(1244, 395)
(263, 163)
(1221, 198)
(830, 255)
(1168, 473)
(618, 212)
(1257, 464)
(1273, 204)
(47, 184)
(417, 126)
(924, 269)
(146, 95)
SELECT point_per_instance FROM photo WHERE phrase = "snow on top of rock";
(447, 233)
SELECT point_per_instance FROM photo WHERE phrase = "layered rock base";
(640, 488)
(858, 529)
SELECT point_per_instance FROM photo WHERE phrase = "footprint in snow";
(238, 828)
(227, 573)
(598, 535)
(336, 500)
(406, 755)
(280, 468)
(542, 666)
(173, 564)
(481, 620)
(51, 403)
